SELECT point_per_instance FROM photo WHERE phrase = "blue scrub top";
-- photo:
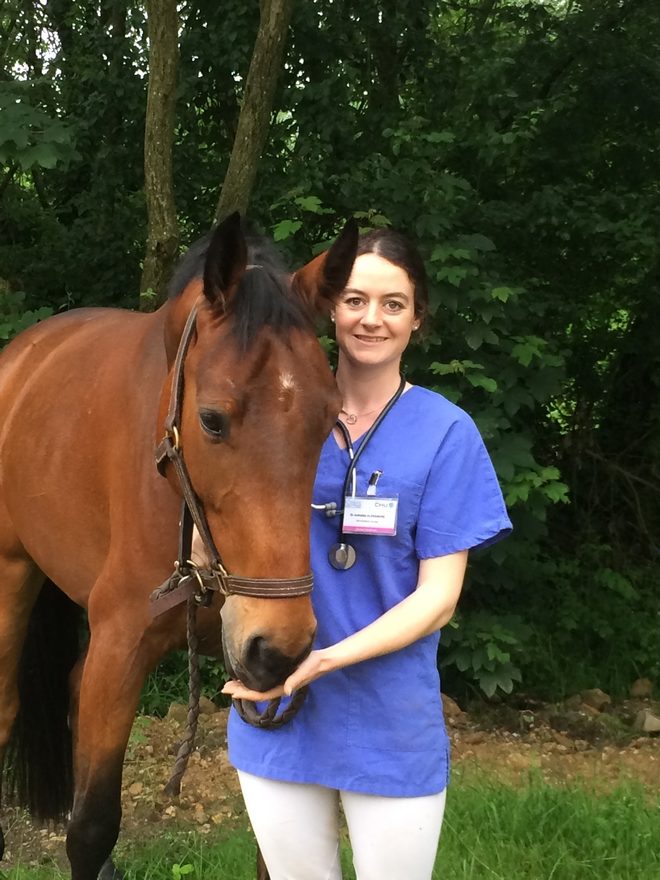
(377, 726)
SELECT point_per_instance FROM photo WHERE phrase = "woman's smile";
(370, 340)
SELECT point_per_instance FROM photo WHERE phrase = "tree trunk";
(163, 232)
(256, 108)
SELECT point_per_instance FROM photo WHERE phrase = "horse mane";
(264, 296)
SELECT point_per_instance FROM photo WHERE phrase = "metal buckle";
(175, 437)
(206, 588)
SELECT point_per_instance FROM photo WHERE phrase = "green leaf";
(527, 348)
(474, 337)
(524, 353)
(485, 382)
(477, 242)
(19, 137)
(440, 253)
(309, 203)
(285, 229)
(41, 154)
(453, 274)
(441, 137)
(488, 683)
(556, 492)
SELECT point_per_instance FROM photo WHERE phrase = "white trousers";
(297, 828)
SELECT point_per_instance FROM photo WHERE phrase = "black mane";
(264, 296)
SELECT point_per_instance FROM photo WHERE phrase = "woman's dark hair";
(398, 249)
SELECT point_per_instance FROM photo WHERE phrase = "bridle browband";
(194, 583)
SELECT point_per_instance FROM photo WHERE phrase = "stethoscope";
(342, 555)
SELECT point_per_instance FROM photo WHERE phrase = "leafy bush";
(14, 316)
(593, 624)
(487, 647)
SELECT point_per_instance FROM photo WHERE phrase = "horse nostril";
(267, 665)
(256, 651)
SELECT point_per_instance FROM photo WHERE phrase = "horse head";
(258, 401)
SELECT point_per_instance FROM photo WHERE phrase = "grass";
(492, 831)
(543, 832)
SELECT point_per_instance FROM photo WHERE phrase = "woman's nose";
(371, 317)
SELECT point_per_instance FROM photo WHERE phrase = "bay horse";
(83, 401)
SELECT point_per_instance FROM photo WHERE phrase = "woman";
(422, 493)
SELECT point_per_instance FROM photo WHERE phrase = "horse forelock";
(264, 296)
(265, 299)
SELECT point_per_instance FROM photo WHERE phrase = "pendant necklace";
(342, 555)
(351, 418)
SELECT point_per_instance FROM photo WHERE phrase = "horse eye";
(216, 424)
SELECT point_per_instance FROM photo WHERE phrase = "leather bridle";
(195, 583)
(216, 576)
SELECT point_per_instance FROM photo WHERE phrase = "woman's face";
(375, 314)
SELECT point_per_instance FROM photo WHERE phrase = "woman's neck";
(363, 389)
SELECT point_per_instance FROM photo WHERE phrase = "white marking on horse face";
(287, 384)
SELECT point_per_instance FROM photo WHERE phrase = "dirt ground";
(573, 742)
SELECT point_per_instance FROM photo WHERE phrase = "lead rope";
(173, 787)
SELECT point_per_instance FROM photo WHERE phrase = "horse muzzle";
(263, 641)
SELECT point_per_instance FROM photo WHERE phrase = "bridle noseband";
(194, 583)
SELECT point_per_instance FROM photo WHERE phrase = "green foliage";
(488, 648)
(169, 683)
(14, 317)
(592, 624)
(29, 136)
(285, 229)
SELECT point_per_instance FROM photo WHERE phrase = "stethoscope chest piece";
(342, 556)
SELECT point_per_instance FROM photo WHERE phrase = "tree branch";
(163, 232)
(256, 109)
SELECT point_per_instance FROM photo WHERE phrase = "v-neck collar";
(358, 440)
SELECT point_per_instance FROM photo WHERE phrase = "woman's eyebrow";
(398, 293)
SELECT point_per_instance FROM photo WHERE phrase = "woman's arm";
(429, 608)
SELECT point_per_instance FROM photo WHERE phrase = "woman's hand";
(313, 667)
(426, 610)
(238, 691)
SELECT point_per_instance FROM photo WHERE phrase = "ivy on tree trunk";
(256, 108)
(163, 230)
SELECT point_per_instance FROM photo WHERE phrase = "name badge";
(370, 516)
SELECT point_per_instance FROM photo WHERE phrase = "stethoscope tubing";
(355, 456)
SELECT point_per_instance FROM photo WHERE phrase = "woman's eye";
(216, 424)
(394, 306)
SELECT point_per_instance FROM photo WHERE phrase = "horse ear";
(225, 263)
(323, 278)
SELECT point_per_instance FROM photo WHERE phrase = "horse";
(89, 527)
